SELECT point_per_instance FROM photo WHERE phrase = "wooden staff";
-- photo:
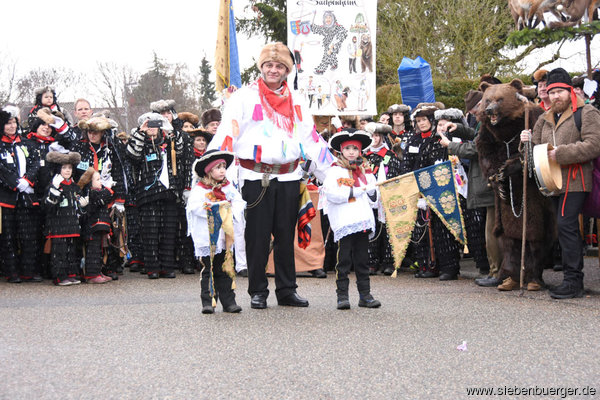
(524, 205)
(173, 158)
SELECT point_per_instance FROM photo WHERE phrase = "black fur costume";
(380, 249)
(20, 210)
(157, 203)
(424, 150)
(62, 227)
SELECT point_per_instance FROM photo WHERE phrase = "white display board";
(334, 44)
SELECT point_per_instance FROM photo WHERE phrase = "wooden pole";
(524, 206)
(588, 55)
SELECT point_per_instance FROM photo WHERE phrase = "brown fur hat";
(353, 120)
(277, 52)
(45, 115)
(472, 98)
(162, 105)
(86, 177)
(95, 124)
(123, 136)
(210, 115)
(189, 117)
(56, 157)
(539, 75)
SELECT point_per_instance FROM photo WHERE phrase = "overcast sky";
(77, 34)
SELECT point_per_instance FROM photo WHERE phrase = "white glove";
(186, 196)
(84, 201)
(336, 122)
(58, 122)
(54, 146)
(370, 188)
(107, 181)
(22, 185)
(422, 204)
(120, 207)
(525, 135)
(29, 190)
(57, 180)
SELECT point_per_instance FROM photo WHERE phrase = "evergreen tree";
(207, 88)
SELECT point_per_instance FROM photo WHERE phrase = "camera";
(154, 123)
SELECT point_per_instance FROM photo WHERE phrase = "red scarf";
(41, 139)
(425, 135)
(216, 190)
(278, 107)
(198, 153)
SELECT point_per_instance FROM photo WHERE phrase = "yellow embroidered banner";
(399, 196)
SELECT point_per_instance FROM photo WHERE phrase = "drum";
(547, 172)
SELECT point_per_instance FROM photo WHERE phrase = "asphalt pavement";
(147, 339)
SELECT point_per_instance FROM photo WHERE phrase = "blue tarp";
(415, 81)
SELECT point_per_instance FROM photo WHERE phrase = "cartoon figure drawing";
(341, 94)
(352, 54)
(333, 37)
(298, 58)
(362, 96)
(310, 90)
(366, 53)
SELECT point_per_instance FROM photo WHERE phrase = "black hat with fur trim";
(210, 115)
(162, 106)
(56, 157)
(539, 76)
(95, 124)
(359, 138)
(449, 114)
(399, 108)
(211, 158)
(427, 109)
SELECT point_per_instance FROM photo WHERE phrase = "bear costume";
(502, 116)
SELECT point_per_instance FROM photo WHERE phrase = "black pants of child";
(134, 237)
(380, 249)
(353, 249)
(20, 228)
(93, 256)
(159, 230)
(475, 225)
(221, 282)
(185, 245)
(65, 260)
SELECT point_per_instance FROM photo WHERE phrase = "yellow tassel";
(233, 285)
(395, 273)
(214, 302)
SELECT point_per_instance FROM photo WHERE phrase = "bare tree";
(59, 77)
(8, 69)
(114, 84)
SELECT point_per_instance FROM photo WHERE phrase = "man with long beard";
(573, 129)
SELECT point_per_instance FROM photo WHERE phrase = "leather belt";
(265, 168)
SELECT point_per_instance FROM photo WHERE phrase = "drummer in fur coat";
(349, 194)
(214, 189)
